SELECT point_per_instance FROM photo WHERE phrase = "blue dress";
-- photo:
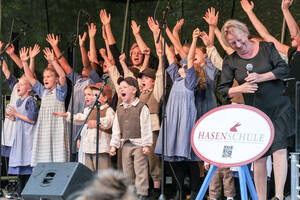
(205, 99)
(20, 154)
(181, 116)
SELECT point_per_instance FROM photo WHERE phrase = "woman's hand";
(52, 40)
(254, 78)
(105, 19)
(247, 7)
(248, 87)
(211, 17)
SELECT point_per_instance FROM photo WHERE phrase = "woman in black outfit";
(262, 88)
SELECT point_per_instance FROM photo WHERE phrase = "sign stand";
(245, 180)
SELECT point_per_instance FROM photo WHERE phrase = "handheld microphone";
(249, 67)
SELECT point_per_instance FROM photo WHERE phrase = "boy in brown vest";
(132, 131)
(89, 138)
(151, 85)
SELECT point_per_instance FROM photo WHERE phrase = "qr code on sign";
(227, 151)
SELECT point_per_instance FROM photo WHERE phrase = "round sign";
(232, 135)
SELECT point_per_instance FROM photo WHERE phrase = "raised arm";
(49, 56)
(136, 33)
(122, 59)
(260, 28)
(211, 51)
(293, 27)
(105, 19)
(109, 54)
(24, 58)
(32, 53)
(84, 56)
(177, 28)
(92, 33)
(191, 55)
(11, 52)
(53, 41)
(176, 43)
(211, 17)
(154, 27)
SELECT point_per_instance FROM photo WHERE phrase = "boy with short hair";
(132, 131)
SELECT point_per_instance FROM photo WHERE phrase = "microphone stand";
(74, 45)
(1, 91)
(96, 103)
(163, 126)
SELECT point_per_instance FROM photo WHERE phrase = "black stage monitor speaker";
(51, 181)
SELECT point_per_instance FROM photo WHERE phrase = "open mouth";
(123, 94)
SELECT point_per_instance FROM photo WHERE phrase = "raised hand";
(247, 7)
(205, 39)
(49, 55)
(82, 39)
(91, 58)
(178, 25)
(102, 52)
(35, 51)
(11, 49)
(285, 4)
(146, 51)
(135, 28)
(196, 33)
(153, 25)
(104, 33)
(211, 17)
(52, 39)
(92, 30)
(122, 58)
(105, 19)
(24, 54)
(159, 53)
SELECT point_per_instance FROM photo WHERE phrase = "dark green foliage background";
(63, 18)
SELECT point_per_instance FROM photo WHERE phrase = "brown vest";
(129, 121)
(149, 99)
(93, 116)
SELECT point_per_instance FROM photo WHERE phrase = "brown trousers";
(154, 161)
(104, 161)
(222, 176)
(135, 166)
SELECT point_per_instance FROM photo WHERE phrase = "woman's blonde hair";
(230, 27)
